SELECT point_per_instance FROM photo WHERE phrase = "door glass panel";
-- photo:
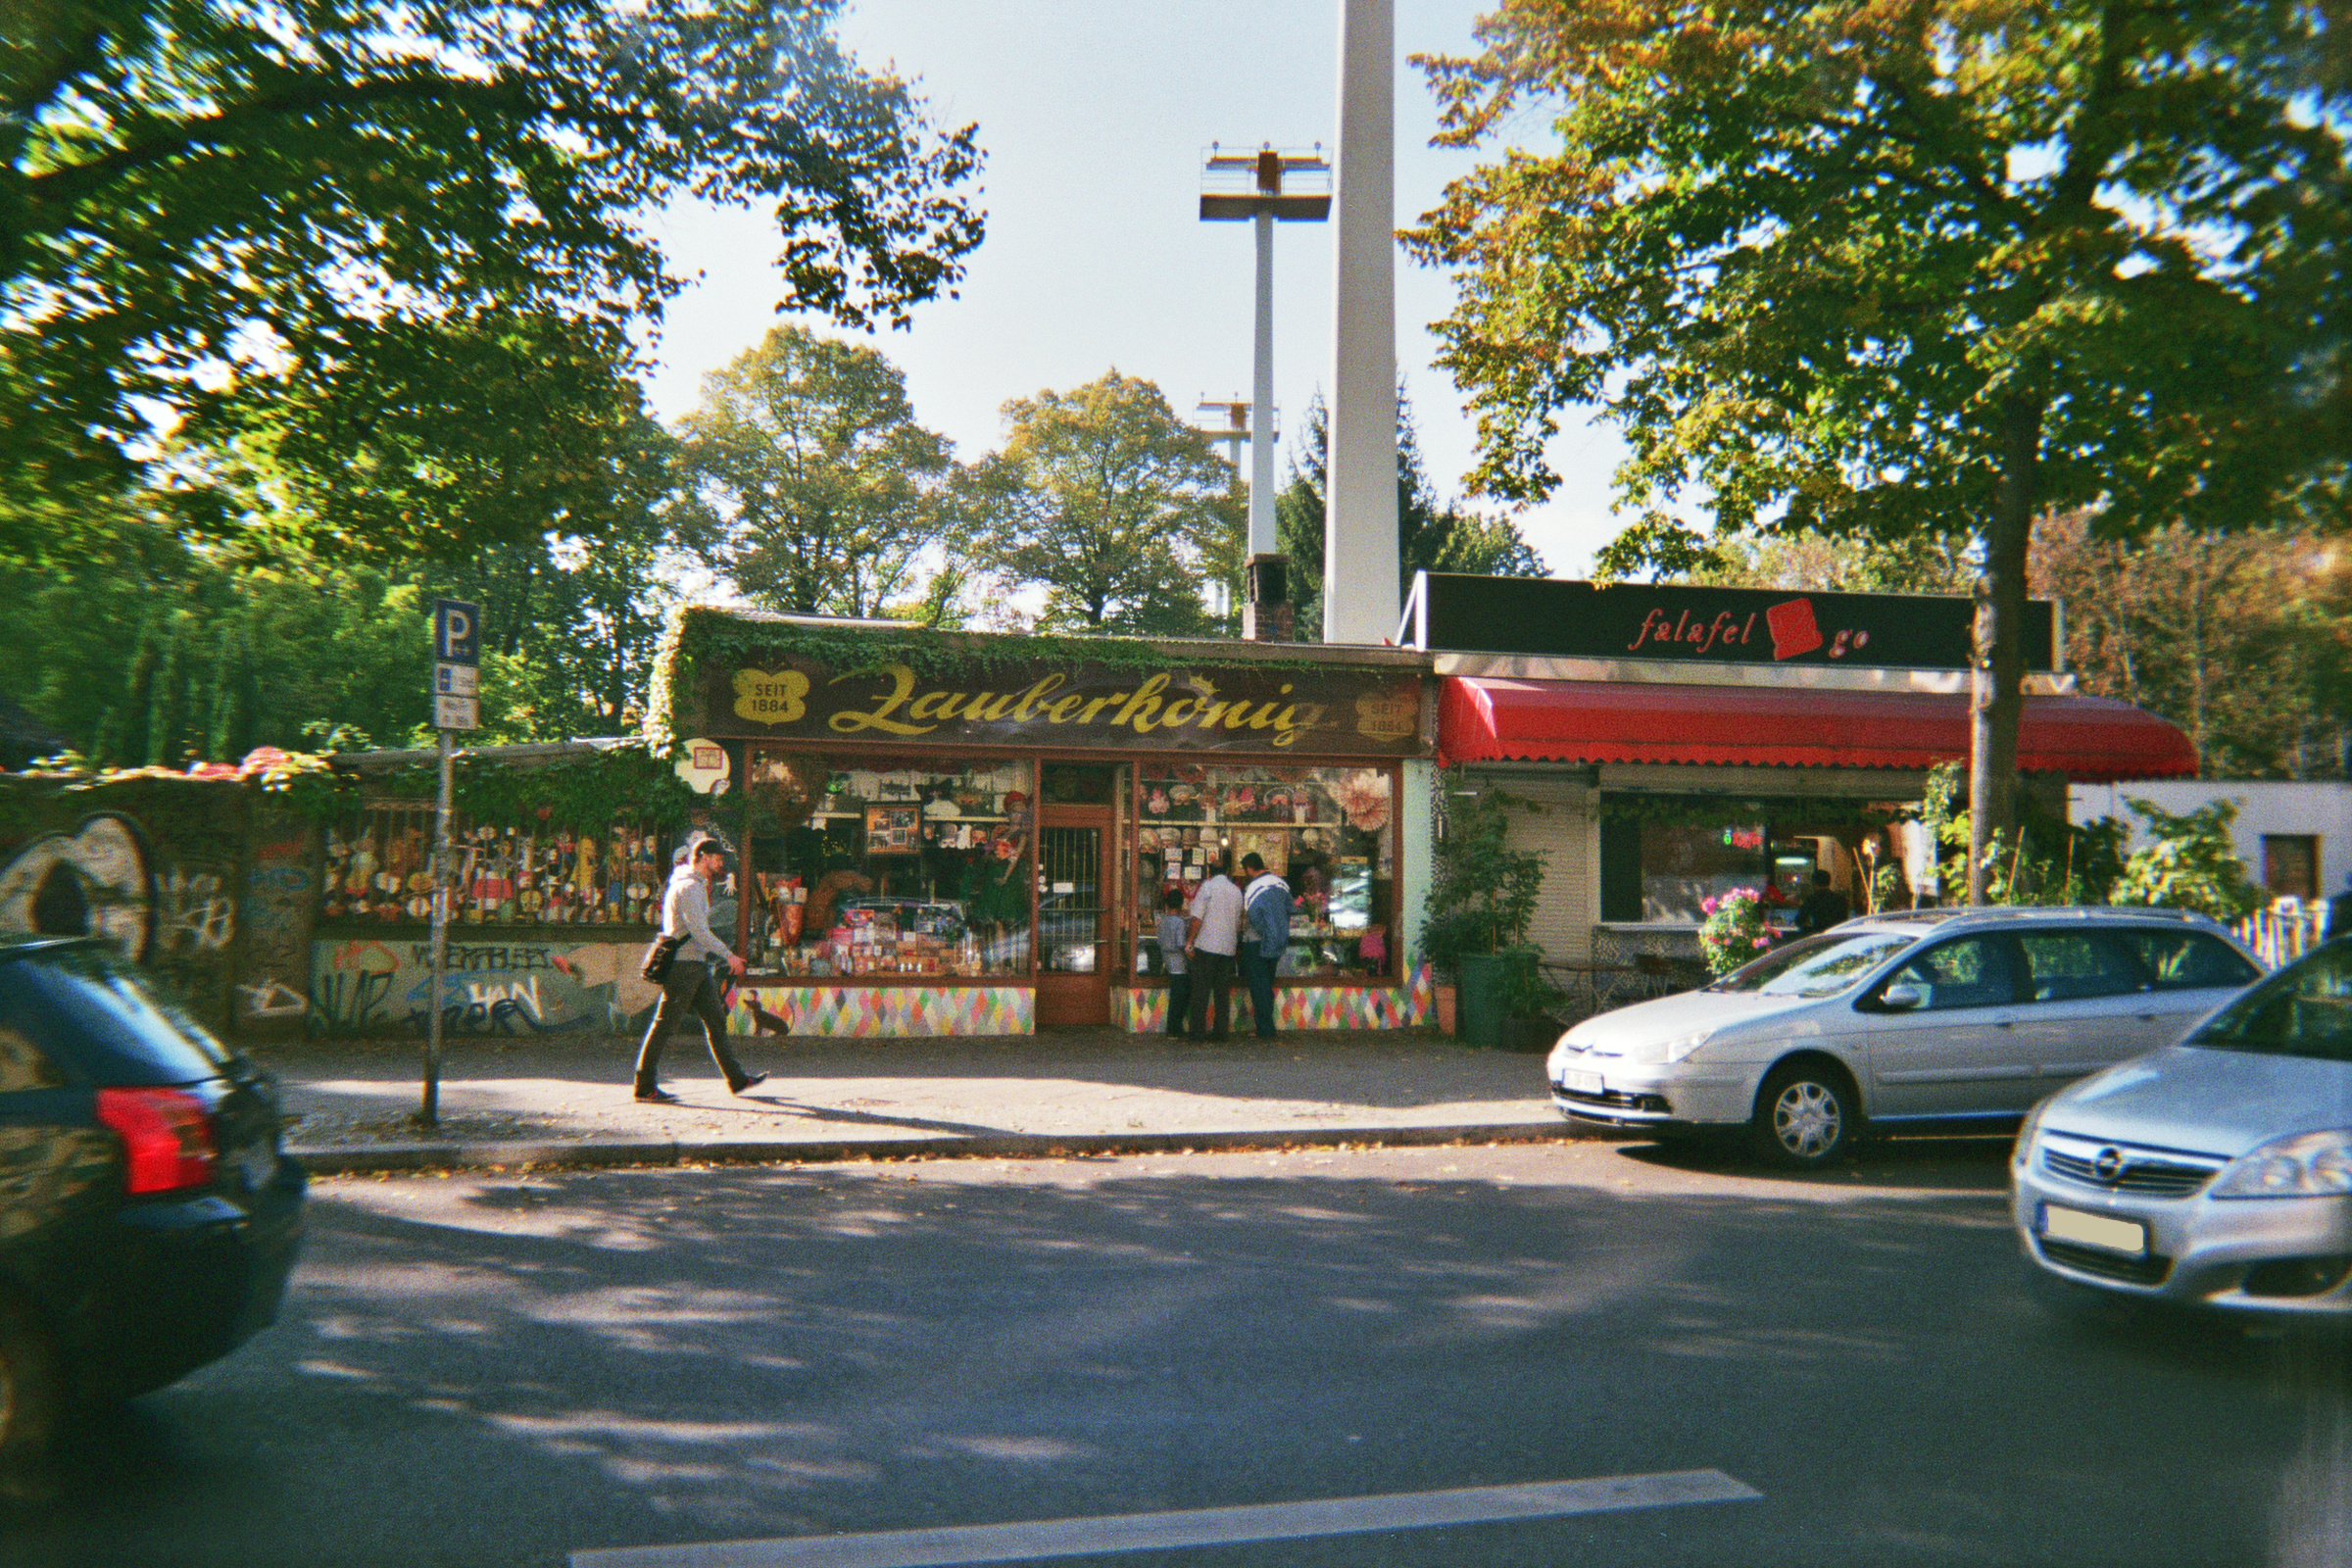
(1069, 898)
(2074, 965)
(1970, 972)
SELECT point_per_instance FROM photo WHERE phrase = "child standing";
(1170, 932)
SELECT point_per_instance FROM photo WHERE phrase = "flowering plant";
(1734, 931)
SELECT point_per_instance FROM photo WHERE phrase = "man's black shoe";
(751, 1082)
(656, 1097)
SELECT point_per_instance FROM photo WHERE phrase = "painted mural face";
(92, 882)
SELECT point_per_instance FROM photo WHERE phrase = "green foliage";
(1840, 269)
(169, 652)
(1734, 931)
(1107, 501)
(1520, 988)
(1846, 269)
(2043, 860)
(1431, 536)
(806, 461)
(2189, 864)
(1483, 894)
(203, 204)
(1813, 561)
(2245, 642)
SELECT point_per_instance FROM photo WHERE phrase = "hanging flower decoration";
(1364, 797)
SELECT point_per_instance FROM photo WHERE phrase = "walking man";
(1212, 930)
(691, 987)
(1266, 934)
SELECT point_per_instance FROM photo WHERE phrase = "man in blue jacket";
(1267, 922)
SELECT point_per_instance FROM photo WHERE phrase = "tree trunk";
(1997, 696)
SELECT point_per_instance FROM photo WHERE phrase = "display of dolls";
(362, 880)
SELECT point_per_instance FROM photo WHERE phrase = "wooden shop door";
(1074, 946)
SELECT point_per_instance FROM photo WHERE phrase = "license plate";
(2102, 1231)
(1581, 1083)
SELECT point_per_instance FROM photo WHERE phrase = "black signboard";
(1222, 708)
(1552, 618)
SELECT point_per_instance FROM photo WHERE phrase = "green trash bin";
(1479, 1007)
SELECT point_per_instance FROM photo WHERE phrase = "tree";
(807, 467)
(2243, 641)
(1430, 536)
(1921, 563)
(1108, 501)
(196, 195)
(1864, 272)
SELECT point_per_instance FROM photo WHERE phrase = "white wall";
(2264, 805)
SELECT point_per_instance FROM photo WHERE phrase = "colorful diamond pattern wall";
(1295, 1007)
(878, 1012)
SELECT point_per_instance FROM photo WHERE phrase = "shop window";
(1330, 832)
(533, 871)
(2290, 865)
(1663, 858)
(880, 867)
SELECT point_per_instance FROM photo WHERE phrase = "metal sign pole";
(431, 1112)
(457, 659)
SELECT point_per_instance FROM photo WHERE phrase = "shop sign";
(1546, 618)
(1301, 712)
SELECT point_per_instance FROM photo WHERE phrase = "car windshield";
(2305, 1009)
(1818, 966)
(80, 1003)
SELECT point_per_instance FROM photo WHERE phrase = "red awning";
(2088, 739)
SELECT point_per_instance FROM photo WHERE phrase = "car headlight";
(2022, 1149)
(2303, 1165)
(1675, 1050)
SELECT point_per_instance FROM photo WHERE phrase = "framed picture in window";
(894, 829)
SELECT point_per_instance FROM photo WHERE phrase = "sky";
(1095, 115)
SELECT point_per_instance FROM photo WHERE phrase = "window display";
(1329, 832)
(536, 872)
(878, 867)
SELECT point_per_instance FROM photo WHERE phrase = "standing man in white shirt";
(1212, 931)
(691, 987)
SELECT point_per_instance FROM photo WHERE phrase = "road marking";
(1192, 1527)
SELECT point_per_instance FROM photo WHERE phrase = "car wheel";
(28, 1402)
(1804, 1116)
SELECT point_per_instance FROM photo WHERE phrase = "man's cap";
(1253, 861)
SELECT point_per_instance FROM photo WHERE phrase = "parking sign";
(457, 632)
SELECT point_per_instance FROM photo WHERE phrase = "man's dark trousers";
(1213, 993)
(691, 987)
(1258, 973)
(1180, 1003)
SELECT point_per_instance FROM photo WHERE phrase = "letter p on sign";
(457, 632)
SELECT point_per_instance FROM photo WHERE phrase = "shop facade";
(974, 834)
(1673, 742)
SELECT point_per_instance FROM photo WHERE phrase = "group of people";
(1228, 926)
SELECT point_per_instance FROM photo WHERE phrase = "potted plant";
(1525, 999)
(1736, 931)
(1482, 900)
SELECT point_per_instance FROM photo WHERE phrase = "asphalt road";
(508, 1369)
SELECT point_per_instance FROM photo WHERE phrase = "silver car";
(1927, 1021)
(2217, 1172)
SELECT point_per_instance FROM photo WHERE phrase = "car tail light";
(167, 1137)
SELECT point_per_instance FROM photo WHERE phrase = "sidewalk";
(543, 1101)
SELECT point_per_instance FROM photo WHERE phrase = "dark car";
(148, 1217)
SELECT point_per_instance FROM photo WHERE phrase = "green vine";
(585, 791)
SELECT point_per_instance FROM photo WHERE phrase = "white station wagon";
(1929, 1020)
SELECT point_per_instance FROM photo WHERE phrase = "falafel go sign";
(703, 765)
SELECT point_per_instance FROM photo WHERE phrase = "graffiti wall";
(372, 987)
(152, 863)
(274, 968)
